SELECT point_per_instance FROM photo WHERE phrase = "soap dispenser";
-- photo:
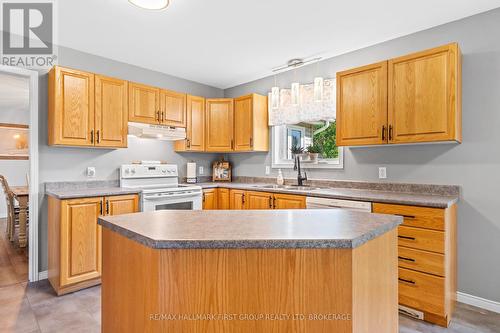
(280, 180)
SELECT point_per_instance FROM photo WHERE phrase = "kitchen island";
(250, 271)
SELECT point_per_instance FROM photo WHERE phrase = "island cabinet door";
(210, 199)
(122, 204)
(223, 198)
(237, 199)
(259, 200)
(287, 201)
(80, 240)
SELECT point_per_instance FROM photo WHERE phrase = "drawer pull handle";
(407, 237)
(406, 216)
(406, 281)
(406, 259)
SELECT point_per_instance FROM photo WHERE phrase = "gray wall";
(474, 164)
(69, 164)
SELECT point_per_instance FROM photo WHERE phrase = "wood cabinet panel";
(210, 199)
(422, 261)
(195, 126)
(288, 201)
(122, 204)
(362, 105)
(111, 112)
(258, 200)
(71, 107)
(424, 94)
(422, 291)
(237, 199)
(144, 103)
(243, 123)
(423, 239)
(421, 217)
(80, 240)
(219, 124)
(223, 201)
(172, 108)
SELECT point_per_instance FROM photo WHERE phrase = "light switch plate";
(201, 170)
(268, 170)
(91, 172)
(382, 172)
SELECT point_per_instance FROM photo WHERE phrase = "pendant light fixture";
(295, 91)
(150, 4)
(275, 95)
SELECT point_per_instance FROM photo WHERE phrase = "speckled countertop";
(90, 192)
(394, 197)
(322, 228)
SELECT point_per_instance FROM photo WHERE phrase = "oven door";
(177, 201)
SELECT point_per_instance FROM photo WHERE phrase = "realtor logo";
(27, 30)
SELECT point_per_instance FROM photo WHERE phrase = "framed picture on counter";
(221, 171)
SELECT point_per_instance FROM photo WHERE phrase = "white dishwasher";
(325, 203)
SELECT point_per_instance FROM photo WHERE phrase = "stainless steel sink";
(289, 187)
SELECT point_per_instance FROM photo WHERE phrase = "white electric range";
(160, 187)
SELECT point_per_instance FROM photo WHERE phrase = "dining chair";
(12, 209)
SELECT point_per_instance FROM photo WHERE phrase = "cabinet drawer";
(421, 217)
(422, 239)
(422, 261)
(421, 291)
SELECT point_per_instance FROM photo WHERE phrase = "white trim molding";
(479, 302)
(43, 275)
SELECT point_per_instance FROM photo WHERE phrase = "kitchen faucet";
(296, 166)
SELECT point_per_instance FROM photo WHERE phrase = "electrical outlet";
(201, 170)
(382, 172)
(91, 172)
(268, 170)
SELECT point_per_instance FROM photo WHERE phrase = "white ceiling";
(224, 43)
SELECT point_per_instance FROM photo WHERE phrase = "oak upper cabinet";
(210, 199)
(111, 112)
(219, 125)
(144, 103)
(223, 198)
(411, 99)
(289, 201)
(251, 131)
(71, 107)
(258, 200)
(74, 238)
(172, 108)
(195, 126)
(237, 199)
(362, 105)
(425, 96)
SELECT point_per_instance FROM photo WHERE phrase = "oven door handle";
(169, 196)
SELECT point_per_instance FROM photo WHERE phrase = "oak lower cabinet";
(74, 238)
(410, 99)
(195, 126)
(258, 200)
(237, 199)
(251, 129)
(241, 199)
(87, 109)
(223, 201)
(289, 201)
(209, 199)
(427, 260)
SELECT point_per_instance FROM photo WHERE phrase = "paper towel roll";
(191, 170)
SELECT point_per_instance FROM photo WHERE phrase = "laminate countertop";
(321, 228)
(67, 193)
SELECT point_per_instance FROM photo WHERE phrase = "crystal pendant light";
(295, 93)
(318, 89)
(151, 4)
(275, 96)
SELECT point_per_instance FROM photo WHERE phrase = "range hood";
(158, 132)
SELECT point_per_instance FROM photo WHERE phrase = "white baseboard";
(43, 275)
(482, 303)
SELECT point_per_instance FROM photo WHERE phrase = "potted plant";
(314, 150)
(296, 150)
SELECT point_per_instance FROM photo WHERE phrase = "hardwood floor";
(35, 308)
(13, 259)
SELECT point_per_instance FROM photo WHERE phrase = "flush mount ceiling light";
(150, 4)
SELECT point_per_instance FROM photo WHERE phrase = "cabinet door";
(122, 204)
(362, 105)
(219, 124)
(71, 107)
(195, 127)
(237, 199)
(287, 201)
(143, 105)
(259, 200)
(210, 199)
(111, 112)
(173, 108)
(424, 96)
(223, 198)
(243, 123)
(80, 240)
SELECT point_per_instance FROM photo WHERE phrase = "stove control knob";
(163, 171)
(132, 171)
(126, 171)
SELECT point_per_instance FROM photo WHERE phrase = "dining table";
(21, 194)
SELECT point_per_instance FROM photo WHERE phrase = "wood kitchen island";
(250, 271)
